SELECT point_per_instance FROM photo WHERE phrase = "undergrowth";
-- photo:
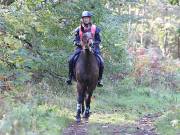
(33, 110)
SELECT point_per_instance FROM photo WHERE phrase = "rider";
(85, 26)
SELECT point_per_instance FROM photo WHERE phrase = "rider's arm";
(76, 40)
(97, 37)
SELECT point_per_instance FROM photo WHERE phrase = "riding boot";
(101, 69)
(69, 81)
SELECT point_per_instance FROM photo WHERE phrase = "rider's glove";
(77, 44)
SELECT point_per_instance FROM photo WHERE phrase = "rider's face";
(86, 20)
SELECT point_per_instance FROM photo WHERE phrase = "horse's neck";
(87, 58)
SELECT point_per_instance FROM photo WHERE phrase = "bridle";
(86, 42)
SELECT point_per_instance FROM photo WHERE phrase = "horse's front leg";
(82, 110)
(88, 101)
(80, 100)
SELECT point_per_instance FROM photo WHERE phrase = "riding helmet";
(86, 14)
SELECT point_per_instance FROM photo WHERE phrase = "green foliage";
(125, 96)
(44, 120)
(169, 123)
(39, 110)
(114, 43)
(34, 38)
(128, 102)
(174, 2)
(40, 39)
(6, 2)
(33, 110)
(178, 31)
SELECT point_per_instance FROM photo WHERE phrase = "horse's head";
(87, 41)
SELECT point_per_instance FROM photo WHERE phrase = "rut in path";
(143, 126)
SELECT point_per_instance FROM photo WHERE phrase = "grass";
(34, 111)
(169, 123)
(41, 110)
(43, 120)
(124, 102)
(136, 99)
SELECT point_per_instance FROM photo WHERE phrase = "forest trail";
(77, 128)
(143, 126)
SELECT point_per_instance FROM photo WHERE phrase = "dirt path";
(77, 128)
(143, 126)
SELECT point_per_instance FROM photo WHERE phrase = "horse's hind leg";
(88, 101)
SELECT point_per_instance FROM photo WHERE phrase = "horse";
(86, 74)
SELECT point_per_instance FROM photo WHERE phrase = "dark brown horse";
(86, 73)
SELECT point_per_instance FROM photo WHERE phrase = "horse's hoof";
(86, 115)
(78, 119)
